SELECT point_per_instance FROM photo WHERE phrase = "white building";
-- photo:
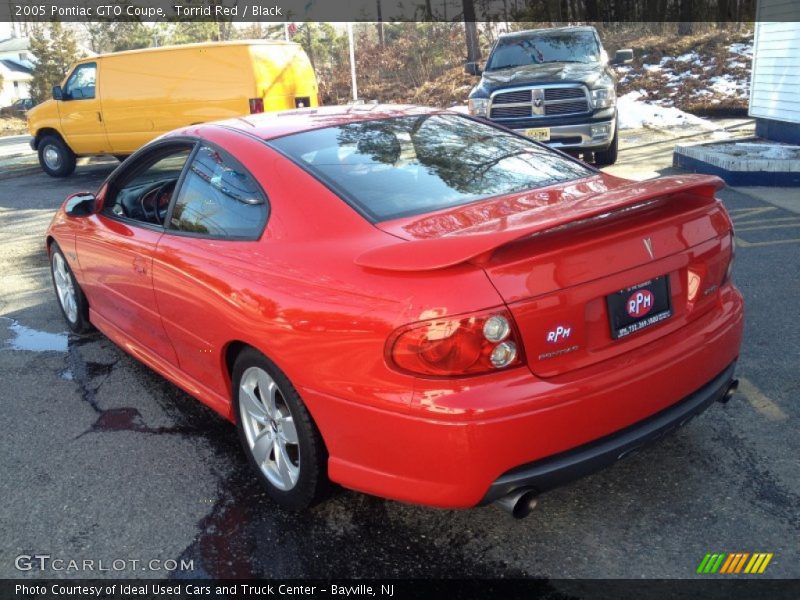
(16, 70)
(775, 84)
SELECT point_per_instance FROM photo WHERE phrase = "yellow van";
(115, 103)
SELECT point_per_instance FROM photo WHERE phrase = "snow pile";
(635, 113)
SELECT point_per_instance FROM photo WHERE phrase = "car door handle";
(100, 116)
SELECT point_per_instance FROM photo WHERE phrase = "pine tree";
(54, 49)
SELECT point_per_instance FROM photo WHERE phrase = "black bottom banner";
(362, 589)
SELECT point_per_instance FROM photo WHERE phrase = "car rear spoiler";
(454, 249)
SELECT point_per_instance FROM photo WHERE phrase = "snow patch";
(768, 151)
(634, 113)
(739, 48)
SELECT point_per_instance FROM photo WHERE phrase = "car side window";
(81, 83)
(219, 198)
(144, 190)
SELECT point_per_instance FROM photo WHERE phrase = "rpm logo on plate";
(639, 303)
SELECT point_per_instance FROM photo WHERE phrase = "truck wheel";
(609, 155)
(55, 157)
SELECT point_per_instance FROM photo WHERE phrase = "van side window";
(80, 84)
(219, 198)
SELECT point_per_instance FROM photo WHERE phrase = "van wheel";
(609, 155)
(55, 157)
(121, 157)
(277, 432)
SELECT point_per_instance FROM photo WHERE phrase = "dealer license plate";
(639, 306)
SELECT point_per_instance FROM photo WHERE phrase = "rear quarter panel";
(297, 294)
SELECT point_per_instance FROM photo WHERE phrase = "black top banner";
(565, 11)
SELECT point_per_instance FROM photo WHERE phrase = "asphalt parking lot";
(103, 459)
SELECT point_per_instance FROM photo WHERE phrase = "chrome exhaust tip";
(519, 503)
(734, 385)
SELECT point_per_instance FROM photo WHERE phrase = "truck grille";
(513, 97)
(576, 106)
(539, 102)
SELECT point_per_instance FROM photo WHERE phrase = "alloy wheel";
(65, 287)
(269, 428)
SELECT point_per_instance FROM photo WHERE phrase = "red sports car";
(412, 303)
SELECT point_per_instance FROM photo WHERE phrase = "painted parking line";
(740, 243)
(760, 402)
(761, 218)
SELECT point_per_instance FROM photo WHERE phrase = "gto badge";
(648, 245)
(558, 334)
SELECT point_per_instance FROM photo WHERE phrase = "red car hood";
(452, 236)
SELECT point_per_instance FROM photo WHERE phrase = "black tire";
(55, 157)
(609, 155)
(80, 324)
(312, 481)
(121, 157)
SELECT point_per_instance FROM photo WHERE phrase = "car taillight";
(729, 271)
(256, 105)
(457, 346)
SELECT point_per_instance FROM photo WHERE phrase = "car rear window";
(401, 166)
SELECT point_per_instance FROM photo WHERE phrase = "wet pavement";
(103, 459)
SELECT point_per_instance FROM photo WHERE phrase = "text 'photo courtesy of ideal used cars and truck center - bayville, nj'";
(420, 260)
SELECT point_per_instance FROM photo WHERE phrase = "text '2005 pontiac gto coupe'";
(411, 303)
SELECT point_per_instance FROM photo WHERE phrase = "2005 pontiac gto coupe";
(409, 302)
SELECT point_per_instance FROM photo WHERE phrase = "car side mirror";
(472, 68)
(80, 204)
(622, 57)
(58, 94)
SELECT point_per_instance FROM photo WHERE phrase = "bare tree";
(471, 31)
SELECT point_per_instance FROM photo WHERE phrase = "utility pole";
(352, 60)
(381, 39)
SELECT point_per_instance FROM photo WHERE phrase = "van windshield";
(401, 166)
(571, 46)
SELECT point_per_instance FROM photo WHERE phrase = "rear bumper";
(558, 470)
(458, 441)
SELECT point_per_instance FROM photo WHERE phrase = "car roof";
(272, 125)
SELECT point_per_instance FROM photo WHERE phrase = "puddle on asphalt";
(33, 340)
